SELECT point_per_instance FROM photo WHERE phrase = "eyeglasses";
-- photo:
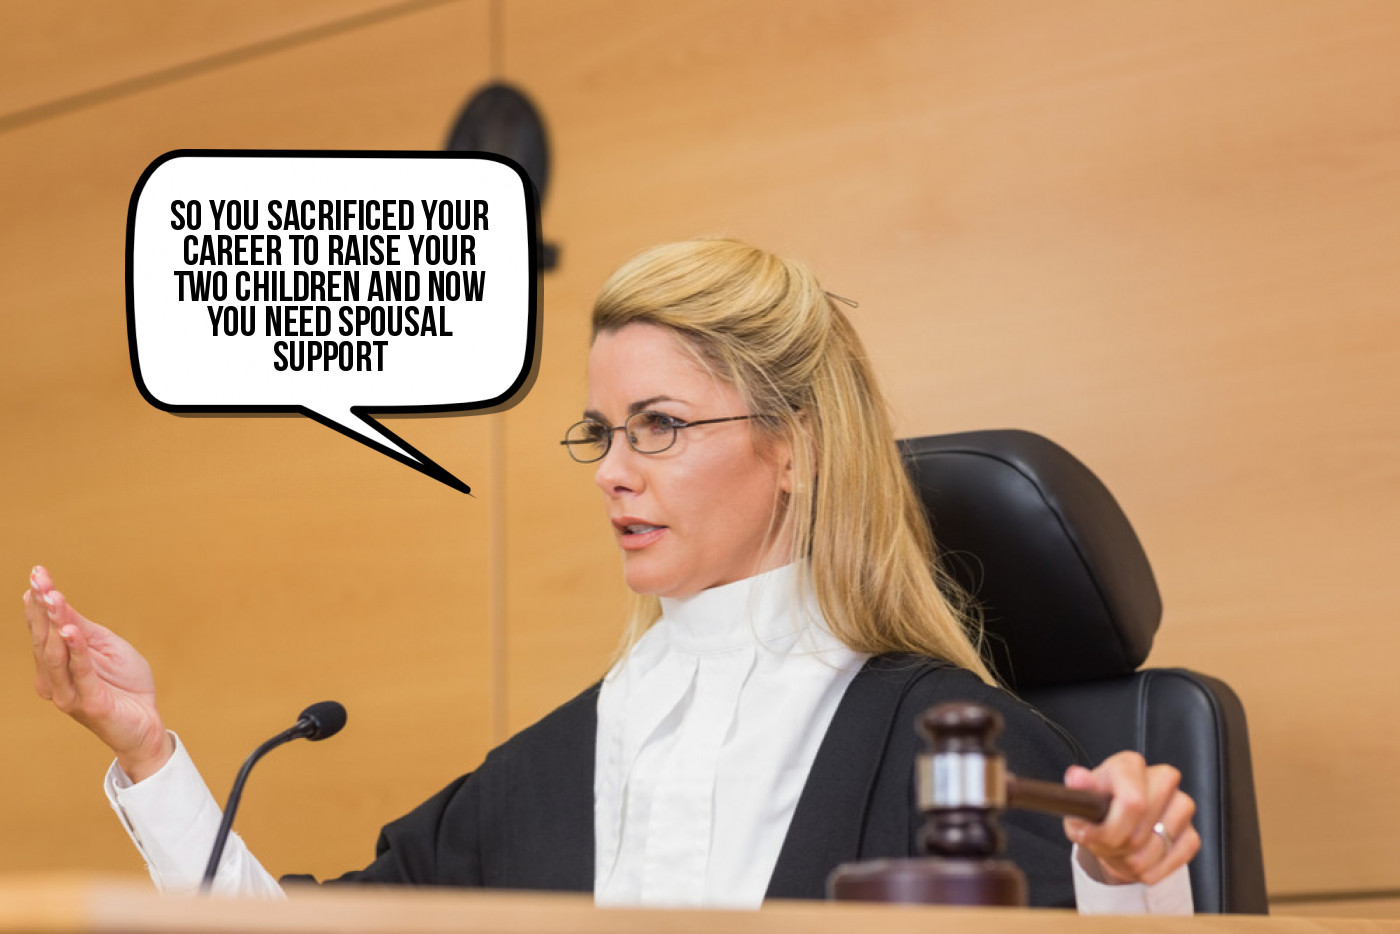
(646, 432)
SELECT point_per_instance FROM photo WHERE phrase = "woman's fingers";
(36, 609)
(40, 579)
(1124, 777)
(1178, 841)
(83, 680)
(37, 618)
(1147, 833)
(36, 615)
(58, 654)
(58, 609)
(44, 610)
(96, 677)
(51, 657)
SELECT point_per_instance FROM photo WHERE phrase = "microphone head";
(322, 720)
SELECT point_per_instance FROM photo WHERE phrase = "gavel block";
(962, 786)
(931, 880)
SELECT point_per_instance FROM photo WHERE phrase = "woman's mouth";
(633, 535)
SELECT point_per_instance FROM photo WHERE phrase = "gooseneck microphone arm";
(317, 722)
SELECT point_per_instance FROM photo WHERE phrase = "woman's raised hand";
(1147, 834)
(96, 677)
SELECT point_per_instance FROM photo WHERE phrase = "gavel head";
(961, 781)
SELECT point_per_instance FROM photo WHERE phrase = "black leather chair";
(1070, 607)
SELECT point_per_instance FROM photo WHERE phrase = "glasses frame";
(677, 424)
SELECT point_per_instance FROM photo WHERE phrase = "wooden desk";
(82, 903)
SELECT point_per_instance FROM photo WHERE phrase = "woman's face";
(702, 513)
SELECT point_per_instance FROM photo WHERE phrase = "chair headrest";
(1065, 588)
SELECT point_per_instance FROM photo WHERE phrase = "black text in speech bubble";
(333, 284)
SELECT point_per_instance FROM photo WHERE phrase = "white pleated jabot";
(706, 733)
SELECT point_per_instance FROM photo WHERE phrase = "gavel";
(962, 787)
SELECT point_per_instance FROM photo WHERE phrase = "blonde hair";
(765, 325)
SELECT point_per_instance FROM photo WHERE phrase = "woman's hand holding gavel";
(1131, 820)
(1147, 832)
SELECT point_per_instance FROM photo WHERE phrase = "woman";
(755, 731)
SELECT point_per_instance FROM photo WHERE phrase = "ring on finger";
(1160, 829)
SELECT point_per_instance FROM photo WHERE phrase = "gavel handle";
(1054, 798)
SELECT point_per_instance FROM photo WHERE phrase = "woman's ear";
(785, 470)
(802, 435)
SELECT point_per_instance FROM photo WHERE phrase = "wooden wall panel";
(262, 564)
(62, 49)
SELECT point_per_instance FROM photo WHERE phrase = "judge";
(790, 623)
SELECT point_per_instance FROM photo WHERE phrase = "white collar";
(770, 610)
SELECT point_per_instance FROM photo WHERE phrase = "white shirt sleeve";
(1171, 896)
(172, 818)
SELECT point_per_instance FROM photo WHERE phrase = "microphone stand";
(317, 722)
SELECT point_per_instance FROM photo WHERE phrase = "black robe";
(524, 818)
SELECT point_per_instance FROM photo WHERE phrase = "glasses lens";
(587, 441)
(651, 432)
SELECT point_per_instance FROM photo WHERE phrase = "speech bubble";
(334, 285)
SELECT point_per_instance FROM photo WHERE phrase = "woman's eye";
(659, 422)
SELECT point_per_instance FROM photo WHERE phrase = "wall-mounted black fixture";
(499, 118)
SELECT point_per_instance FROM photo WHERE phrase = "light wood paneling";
(65, 49)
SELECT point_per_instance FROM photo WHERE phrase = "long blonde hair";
(765, 325)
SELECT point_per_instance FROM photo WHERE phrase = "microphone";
(317, 722)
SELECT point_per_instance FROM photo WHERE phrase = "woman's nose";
(619, 470)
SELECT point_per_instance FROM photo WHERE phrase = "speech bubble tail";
(370, 433)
